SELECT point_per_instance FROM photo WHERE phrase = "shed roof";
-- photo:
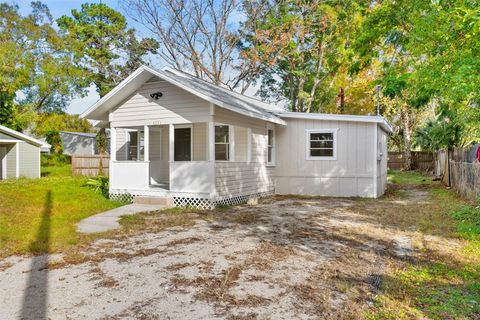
(23, 137)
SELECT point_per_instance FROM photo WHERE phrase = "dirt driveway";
(286, 258)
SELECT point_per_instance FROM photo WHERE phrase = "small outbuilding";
(19, 154)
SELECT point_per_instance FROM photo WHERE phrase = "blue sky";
(64, 7)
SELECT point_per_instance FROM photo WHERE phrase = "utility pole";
(377, 90)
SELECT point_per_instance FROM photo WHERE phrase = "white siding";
(241, 144)
(121, 144)
(175, 106)
(240, 177)
(29, 165)
(351, 174)
(12, 160)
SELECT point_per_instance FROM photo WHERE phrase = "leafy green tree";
(428, 51)
(302, 45)
(104, 45)
(46, 122)
(53, 138)
(36, 61)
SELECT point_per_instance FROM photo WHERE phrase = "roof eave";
(22, 136)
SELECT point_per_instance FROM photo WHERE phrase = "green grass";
(442, 282)
(408, 177)
(39, 215)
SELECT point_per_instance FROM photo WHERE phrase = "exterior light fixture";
(156, 95)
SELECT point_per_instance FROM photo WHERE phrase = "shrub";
(99, 184)
(55, 160)
(53, 138)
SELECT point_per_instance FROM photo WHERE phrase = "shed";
(19, 154)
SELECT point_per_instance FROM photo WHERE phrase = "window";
(270, 146)
(222, 144)
(135, 145)
(321, 144)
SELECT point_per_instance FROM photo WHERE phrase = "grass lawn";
(39, 215)
(442, 282)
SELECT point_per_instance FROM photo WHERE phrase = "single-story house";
(174, 135)
(19, 154)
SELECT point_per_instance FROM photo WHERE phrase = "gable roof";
(219, 96)
(23, 137)
(215, 94)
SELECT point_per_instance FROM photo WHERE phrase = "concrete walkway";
(108, 220)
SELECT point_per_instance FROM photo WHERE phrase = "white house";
(173, 135)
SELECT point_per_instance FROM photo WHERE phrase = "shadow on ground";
(36, 291)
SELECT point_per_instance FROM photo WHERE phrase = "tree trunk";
(407, 121)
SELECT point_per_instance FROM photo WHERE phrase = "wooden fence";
(465, 178)
(421, 160)
(90, 166)
(460, 170)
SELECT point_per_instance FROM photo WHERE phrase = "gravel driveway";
(284, 258)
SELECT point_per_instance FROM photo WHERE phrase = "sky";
(59, 8)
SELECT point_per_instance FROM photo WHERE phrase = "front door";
(183, 144)
(3, 162)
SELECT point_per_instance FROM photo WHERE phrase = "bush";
(55, 160)
(53, 138)
(99, 184)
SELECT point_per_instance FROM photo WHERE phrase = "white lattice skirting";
(182, 200)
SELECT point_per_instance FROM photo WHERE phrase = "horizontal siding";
(121, 144)
(233, 178)
(199, 141)
(175, 106)
(241, 177)
(241, 144)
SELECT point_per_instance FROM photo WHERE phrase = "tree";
(421, 64)
(36, 62)
(47, 122)
(104, 45)
(55, 141)
(302, 45)
(197, 35)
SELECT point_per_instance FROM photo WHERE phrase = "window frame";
(228, 144)
(273, 146)
(308, 141)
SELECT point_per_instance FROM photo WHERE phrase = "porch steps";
(166, 201)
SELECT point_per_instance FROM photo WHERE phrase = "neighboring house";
(78, 143)
(19, 154)
(173, 135)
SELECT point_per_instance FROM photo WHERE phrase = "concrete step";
(166, 201)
